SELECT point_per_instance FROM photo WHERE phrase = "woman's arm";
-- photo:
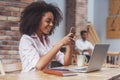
(68, 56)
(69, 51)
(44, 60)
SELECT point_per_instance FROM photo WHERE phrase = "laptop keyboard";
(79, 69)
(83, 69)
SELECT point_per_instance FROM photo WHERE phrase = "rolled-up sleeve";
(28, 54)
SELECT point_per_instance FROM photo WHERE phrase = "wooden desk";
(104, 74)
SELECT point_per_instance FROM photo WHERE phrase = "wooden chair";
(10, 68)
(113, 58)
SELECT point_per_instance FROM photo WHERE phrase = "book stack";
(59, 72)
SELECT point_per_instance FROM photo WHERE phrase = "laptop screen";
(98, 57)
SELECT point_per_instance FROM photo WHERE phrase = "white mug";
(81, 60)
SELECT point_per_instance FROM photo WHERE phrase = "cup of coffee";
(81, 60)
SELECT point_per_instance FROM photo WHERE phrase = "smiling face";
(46, 24)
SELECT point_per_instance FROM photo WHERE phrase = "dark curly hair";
(32, 15)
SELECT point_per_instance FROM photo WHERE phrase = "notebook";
(96, 61)
(59, 72)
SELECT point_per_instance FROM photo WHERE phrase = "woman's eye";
(48, 21)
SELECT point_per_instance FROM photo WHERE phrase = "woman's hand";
(68, 40)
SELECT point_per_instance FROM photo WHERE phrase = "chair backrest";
(92, 34)
(1, 68)
(10, 68)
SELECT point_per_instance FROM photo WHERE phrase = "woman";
(38, 21)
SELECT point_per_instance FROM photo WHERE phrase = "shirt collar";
(36, 36)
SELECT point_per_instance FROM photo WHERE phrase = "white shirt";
(81, 45)
(31, 49)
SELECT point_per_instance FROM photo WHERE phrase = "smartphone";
(72, 30)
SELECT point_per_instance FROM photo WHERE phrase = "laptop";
(96, 61)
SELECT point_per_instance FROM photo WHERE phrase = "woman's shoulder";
(29, 36)
(26, 38)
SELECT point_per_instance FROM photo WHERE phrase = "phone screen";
(72, 30)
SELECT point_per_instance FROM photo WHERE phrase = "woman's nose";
(51, 24)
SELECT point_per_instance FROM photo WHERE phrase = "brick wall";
(76, 11)
(76, 15)
(9, 28)
(70, 14)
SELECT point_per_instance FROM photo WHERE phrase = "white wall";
(99, 14)
(91, 10)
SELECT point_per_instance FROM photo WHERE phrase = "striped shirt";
(31, 49)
